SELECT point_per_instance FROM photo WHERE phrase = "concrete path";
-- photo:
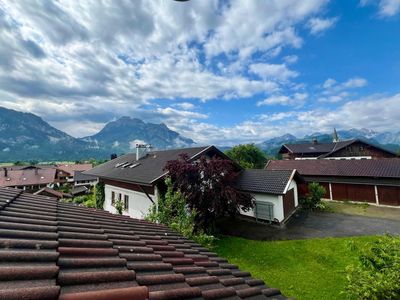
(312, 225)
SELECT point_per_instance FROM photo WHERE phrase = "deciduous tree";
(248, 156)
(208, 186)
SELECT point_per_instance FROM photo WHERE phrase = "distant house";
(68, 170)
(133, 178)
(84, 179)
(275, 193)
(49, 192)
(375, 181)
(350, 149)
(29, 178)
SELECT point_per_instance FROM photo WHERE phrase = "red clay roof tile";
(56, 250)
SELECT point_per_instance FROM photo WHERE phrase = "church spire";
(335, 136)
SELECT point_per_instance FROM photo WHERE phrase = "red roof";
(54, 250)
(22, 177)
(71, 168)
(384, 168)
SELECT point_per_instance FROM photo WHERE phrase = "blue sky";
(221, 72)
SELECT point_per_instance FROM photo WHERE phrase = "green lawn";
(303, 269)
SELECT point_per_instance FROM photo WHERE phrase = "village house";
(28, 178)
(136, 178)
(32, 178)
(350, 149)
(373, 181)
(82, 179)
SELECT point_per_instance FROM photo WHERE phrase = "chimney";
(113, 156)
(314, 141)
(36, 171)
(5, 172)
(141, 150)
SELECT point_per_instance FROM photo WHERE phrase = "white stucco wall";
(276, 200)
(139, 203)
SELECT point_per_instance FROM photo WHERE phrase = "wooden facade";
(130, 186)
(367, 193)
(361, 149)
(289, 204)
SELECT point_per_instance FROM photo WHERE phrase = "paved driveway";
(313, 225)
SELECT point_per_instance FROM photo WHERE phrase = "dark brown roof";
(54, 250)
(381, 168)
(147, 169)
(265, 181)
(325, 149)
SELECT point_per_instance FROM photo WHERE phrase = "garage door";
(288, 203)
(353, 192)
(389, 195)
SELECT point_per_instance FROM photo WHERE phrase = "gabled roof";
(80, 176)
(72, 168)
(54, 250)
(53, 192)
(318, 148)
(326, 149)
(29, 176)
(377, 168)
(147, 169)
(265, 181)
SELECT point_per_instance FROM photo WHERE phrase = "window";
(361, 148)
(126, 202)
(112, 198)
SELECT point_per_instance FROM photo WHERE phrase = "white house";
(275, 193)
(133, 178)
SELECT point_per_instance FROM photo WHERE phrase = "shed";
(274, 191)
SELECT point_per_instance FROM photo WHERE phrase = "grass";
(303, 269)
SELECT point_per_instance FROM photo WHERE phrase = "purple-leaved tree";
(208, 185)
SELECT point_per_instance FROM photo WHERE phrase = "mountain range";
(27, 137)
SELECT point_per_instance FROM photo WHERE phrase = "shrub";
(100, 196)
(119, 206)
(377, 274)
(79, 199)
(174, 212)
(313, 198)
(85, 200)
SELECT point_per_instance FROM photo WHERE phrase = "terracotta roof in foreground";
(54, 250)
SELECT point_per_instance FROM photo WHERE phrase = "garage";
(274, 192)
